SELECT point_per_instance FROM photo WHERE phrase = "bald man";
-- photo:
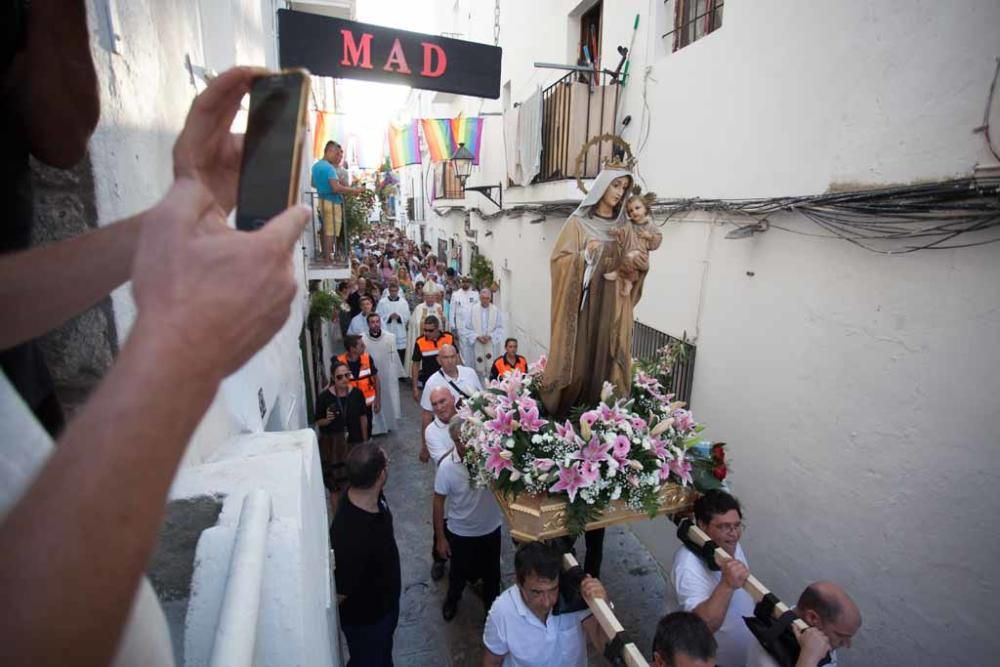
(460, 380)
(834, 620)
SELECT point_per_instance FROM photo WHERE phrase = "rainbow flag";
(443, 135)
(329, 126)
(468, 131)
(438, 135)
(404, 145)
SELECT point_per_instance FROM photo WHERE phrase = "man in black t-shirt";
(367, 573)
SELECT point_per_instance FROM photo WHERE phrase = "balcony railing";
(648, 343)
(312, 238)
(576, 108)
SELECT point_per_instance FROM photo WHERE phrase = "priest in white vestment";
(395, 313)
(381, 345)
(429, 306)
(482, 335)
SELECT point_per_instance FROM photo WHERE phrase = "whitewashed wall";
(858, 391)
(145, 94)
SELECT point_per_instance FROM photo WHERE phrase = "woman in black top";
(342, 420)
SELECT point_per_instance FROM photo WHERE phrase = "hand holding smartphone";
(272, 148)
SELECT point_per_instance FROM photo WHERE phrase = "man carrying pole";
(716, 594)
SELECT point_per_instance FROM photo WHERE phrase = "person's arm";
(339, 188)
(425, 419)
(74, 546)
(416, 359)
(361, 408)
(441, 546)
(47, 285)
(713, 610)
(56, 82)
(813, 646)
(490, 659)
(591, 589)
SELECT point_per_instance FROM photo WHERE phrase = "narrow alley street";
(634, 581)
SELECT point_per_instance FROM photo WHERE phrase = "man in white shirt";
(436, 446)
(522, 631)
(359, 323)
(482, 334)
(462, 300)
(833, 618)
(471, 537)
(461, 381)
(717, 596)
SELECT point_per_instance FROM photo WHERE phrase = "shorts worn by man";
(717, 596)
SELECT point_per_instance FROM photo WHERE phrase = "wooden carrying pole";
(752, 586)
(609, 623)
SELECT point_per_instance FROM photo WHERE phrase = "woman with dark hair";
(342, 421)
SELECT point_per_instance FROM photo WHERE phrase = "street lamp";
(461, 165)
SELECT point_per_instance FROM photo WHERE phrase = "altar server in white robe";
(429, 306)
(381, 345)
(482, 335)
(395, 313)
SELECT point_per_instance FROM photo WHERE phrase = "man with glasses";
(717, 597)
(425, 353)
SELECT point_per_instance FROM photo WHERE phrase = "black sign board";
(351, 50)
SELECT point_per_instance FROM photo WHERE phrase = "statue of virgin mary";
(591, 328)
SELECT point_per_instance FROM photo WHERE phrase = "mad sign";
(350, 50)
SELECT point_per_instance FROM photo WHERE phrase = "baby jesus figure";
(636, 241)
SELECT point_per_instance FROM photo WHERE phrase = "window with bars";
(446, 183)
(692, 20)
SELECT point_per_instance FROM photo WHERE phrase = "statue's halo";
(610, 162)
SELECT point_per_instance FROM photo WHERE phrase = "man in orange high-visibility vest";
(364, 374)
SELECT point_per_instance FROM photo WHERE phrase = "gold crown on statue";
(621, 156)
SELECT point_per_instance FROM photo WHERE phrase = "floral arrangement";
(623, 449)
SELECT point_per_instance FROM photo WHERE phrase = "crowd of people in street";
(407, 320)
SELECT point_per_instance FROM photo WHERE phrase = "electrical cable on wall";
(890, 221)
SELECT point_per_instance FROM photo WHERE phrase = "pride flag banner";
(468, 131)
(404, 145)
(329, 127)
(438, 135)
(443, 135)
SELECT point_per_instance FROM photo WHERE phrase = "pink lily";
(496, 463)
(638, 423)
(504, 423)
(527, 403)
(681, 468)
(544, 464)
(530, 421)
(538, 366)
(570, 481)
(683, 420)
(590, 472)
(595, 451)
(565, 431)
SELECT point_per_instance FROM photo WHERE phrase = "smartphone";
(272, 148)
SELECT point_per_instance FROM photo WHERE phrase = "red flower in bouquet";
(719, 453)
(720, 472)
